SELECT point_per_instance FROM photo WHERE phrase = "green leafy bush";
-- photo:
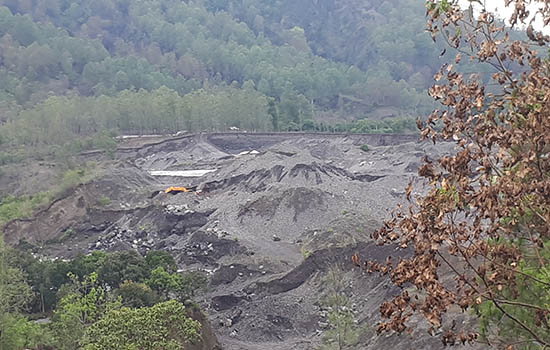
(164, 326)
(136, 294)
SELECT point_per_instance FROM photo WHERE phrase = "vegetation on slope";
(101, 47)
(12, 207)
(96, 301)
(74, 74)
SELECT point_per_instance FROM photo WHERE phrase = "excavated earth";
(275, 214)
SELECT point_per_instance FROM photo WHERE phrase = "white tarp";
(182, 173)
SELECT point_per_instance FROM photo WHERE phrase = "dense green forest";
(78, 69)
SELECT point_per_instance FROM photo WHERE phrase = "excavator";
(176, 190)
(173, 190)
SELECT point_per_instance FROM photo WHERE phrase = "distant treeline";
(69, 124)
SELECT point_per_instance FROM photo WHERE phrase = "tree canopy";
(164, 326)
(98, 301)
(76, 73)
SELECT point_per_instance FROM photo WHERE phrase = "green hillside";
(82, 68)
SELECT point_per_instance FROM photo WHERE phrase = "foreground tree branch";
(486, 210)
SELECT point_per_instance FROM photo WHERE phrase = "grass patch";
(75, 177)
(68, 234)
(12, 207)
(104, 201)
(306, 253)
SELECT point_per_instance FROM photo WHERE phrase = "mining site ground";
(273, 213)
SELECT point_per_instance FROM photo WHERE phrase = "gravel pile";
(265, 226)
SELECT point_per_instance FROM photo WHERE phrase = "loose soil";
(277, 213)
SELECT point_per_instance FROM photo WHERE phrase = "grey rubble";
(266, 225)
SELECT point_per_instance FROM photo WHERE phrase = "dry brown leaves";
(499, 175)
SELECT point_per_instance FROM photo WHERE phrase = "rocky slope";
(266, 225)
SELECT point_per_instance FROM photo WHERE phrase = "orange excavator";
(176, 190)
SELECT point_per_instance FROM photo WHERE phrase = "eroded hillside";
(276, 212)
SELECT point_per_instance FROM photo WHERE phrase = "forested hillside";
(83, 68)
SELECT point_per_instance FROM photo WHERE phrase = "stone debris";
(324, 195)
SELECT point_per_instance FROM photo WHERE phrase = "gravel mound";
(265, 226)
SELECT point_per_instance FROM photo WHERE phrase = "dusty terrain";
(266, 225)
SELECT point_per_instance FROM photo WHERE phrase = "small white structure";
(182, 173)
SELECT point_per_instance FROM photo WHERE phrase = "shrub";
(104, 201)
(158, 258)
(136, 294)
(306, 253)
